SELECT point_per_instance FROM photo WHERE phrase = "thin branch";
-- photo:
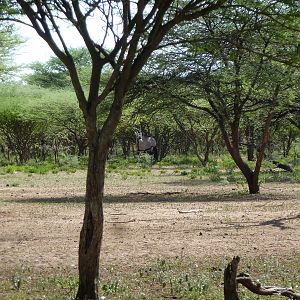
(256, 288)
(16, 21)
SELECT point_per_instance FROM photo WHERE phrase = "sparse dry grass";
(168, 253)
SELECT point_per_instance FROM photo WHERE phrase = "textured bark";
(230, 284)
(252, 181)
(232, 146)
(250, 141)
(231, 280)
(257, 289)
(92, 229)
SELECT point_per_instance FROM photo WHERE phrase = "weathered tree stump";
(231, 281)
(230, 284)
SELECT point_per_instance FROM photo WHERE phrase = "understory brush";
(220, 169)
(67, 164)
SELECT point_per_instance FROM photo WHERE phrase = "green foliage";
(67, 164)
(16, 282)
(64, 129)
(32, 98)
(215, 177)
(112, 288)
(179, 160)
(9, 40)
(227, 163)
(54, 74)
(213, 167)
(19, 133)
(219, 75)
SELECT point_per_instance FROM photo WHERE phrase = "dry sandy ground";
(145, 217)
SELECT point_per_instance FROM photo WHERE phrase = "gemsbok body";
(146, 144)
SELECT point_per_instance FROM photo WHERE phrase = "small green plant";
(227, 163)
(10, 168)
(197, 172)
(179, 160)
(113, 287)
(215, 177)
(231, 177)
(68, 284)
(124, 175)
(212, 167)
(16, 282)
(193, 176)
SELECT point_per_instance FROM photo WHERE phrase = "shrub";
(215, 177)
(227, 163)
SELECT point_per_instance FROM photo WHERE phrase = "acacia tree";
(54, 74)
(135, 29)
(238, 83)
(65, 119)
(19, 133)
(175, 125)
(227, 69)
(8, 43)
(200, 130)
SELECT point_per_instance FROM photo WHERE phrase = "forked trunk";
(233, 148)
(252, 181)
(92, 229)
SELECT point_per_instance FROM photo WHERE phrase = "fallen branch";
(231, 280)
(121, 222)
(282, 166)
(188, 211)
(256, 288)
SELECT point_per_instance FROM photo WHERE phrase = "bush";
(215, 177)
(212, 167)
(179, 160)
(19, 133)
(227, 163)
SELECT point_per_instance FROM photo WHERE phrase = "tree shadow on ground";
(279, 222)
(239, 225)
(168, 197)
(183, 181)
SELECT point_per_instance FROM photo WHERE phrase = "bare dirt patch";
(145, 217)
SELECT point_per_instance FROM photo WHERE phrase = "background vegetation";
(223, 100)
(204, 98)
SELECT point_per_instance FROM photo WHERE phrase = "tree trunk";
(253, 185)
(233, 149)
(250, 141)
(82, 145)
(92, 229)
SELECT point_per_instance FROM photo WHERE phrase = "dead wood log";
(256, 288)
(231, 280)
(282, 166)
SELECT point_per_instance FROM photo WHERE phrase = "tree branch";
(231, 280)
(256, 288)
